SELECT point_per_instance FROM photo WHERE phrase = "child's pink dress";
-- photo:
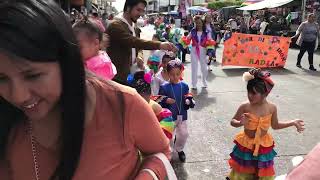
(102, 66)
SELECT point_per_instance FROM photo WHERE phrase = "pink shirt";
(110, 146)
(102, 66)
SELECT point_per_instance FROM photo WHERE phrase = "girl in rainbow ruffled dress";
(89, 36)
(199, 38)
(253, 153)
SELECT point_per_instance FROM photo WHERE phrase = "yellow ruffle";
(245, 141)
(241, 176)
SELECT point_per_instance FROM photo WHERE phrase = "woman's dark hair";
(174, 64)
(140, 84)
(89, 27)
(132, 3)
(38, 31)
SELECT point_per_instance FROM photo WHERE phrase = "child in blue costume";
(176, 92)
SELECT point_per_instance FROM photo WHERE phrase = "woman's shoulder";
(111, 88)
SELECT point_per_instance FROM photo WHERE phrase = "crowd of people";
(78, 101)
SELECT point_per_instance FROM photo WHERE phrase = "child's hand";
(299, 124)
(244, 120)
(170, 101)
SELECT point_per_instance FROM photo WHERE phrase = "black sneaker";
(182, 156)
(312, 68)
(299, 65)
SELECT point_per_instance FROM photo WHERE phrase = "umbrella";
(198, 9)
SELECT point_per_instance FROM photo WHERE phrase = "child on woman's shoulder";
(253, 153)
(178, 101)
(89, 37)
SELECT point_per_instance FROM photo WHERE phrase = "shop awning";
(249, 2)
(265, 5)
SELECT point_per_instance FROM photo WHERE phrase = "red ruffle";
(262, 150)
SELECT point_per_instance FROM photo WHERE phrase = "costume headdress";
(259, 74)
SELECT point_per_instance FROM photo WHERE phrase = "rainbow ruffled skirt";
(246, 166)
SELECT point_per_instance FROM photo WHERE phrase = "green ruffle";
(249, 156)
(169, 119)
(241, 176)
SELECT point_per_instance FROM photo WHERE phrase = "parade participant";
(167, 34)
(141, 81)
(175, 92)
(154, 60)
(160, 32)
(162, 76)
(175, 40)
(184, 42)
(89, 37)
(198, 37)
(253, 153)
(308, 34)
(58, 122)
(210, 30)
(125, 48)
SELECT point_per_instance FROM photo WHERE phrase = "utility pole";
(169, 6)
(304, 4)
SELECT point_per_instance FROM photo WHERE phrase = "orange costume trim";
(256, 123)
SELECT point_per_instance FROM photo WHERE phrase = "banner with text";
(255, 50)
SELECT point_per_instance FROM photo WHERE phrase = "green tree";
(218, 4)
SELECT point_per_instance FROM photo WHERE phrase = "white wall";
(195, 2)
(166, 2)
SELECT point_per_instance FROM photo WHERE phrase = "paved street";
(296, 93)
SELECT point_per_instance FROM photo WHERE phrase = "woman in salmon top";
(252, 155)
(57, 122)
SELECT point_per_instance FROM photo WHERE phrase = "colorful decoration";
(259, 51)
(153, 63)
(147, 77)
(195, 40)
(210, 45)
(166, 122)
(189, 101)
(130, 79)
(185, 42)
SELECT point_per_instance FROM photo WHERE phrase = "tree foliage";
(218, 4)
